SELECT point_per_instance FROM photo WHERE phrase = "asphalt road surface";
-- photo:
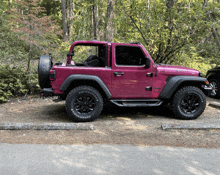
(25, 159)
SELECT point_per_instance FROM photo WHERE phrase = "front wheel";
(189, 103)
(84, 104)
(215, 84)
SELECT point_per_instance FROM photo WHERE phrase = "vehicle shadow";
(136, 112)
(57, 112)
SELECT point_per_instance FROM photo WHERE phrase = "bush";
(14, 81)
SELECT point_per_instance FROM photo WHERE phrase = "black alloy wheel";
(215, 84)
(84, 103)
(189, 103)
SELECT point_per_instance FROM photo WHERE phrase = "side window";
(82, 52)
(129, 56)
(90, 55)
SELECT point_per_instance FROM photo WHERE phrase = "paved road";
(27, 159)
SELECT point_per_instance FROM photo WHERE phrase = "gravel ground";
(135, 126)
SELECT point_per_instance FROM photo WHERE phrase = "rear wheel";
(84, 104)
(189, 103)
(44, 67)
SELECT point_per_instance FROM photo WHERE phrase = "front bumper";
(207, 87)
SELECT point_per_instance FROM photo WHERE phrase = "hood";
(176, 70)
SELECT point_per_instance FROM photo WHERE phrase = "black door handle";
(118, 73)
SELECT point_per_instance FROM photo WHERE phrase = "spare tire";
(44, 66)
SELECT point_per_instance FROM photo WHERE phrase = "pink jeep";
(123, 74)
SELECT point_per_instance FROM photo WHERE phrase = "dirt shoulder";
(135, 126)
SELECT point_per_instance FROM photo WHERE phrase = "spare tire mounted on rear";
(44, 66)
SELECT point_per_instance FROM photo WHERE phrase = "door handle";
(118, 73)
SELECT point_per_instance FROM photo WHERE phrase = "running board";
(137, 102)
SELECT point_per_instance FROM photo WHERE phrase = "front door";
(130, 78)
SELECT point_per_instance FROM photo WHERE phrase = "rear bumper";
(47, 92)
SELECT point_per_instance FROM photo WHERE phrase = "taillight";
(52, 75)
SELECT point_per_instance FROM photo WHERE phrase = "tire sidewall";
(72, 96)
(181, 94)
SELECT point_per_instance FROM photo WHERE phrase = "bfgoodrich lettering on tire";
(84, 104)
(189, 103)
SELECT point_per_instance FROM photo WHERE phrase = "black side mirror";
(147, 64)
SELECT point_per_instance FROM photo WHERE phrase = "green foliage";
(81, 53)
(14, 81)
(52, 8)
(164, 29)
(189, 57)
(11, 47)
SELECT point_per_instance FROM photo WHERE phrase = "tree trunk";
(29, 57)
(164, 53)
(71, 19)
(64, 20)
(110, 21)
(95, 20)
(96, 12)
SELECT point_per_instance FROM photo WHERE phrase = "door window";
(129, 56)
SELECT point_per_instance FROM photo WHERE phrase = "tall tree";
(110, 21)
(214, 32)
(35, 30)
(64, 20)
(71, 18)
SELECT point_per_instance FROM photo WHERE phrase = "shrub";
(14, 81)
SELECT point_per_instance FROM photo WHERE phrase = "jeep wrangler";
(123, 74)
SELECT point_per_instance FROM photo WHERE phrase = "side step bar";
(137, 102)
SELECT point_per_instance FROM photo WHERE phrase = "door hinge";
(149, 74)
(148, 88)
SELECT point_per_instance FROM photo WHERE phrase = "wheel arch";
(178, 82)
(213, 76)
(76, 80)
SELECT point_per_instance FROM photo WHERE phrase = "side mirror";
(147, 63)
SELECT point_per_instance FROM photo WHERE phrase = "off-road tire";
(84, 104)
(44, 67)
(215, 93)
(188, 103)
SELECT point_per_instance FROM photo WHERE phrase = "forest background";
(181, 32)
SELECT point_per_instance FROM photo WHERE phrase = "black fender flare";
(174, 82)
(74, 77)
